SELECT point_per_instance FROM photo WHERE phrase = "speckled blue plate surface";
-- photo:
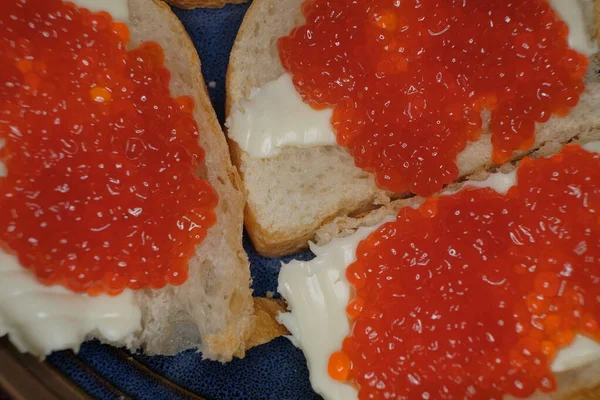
(276, 370)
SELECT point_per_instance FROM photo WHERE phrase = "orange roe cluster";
(102, 192)
(408, 80)
(472, 294)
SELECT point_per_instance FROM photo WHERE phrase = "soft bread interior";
(290, 196)
(213, 310)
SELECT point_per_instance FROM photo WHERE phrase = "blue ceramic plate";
(276, 370)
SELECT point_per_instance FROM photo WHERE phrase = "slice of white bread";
(213, 310)
(291, 195)
(582, 383)
(191, 4)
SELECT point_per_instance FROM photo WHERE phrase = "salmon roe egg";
(443, 312)
(102, 190)
(409, 81)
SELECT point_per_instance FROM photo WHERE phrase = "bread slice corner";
(582, 383)
(290, 196)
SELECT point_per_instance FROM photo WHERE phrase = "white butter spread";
(275, 116)
(592, 147)
(118, 9)
(40, 319)
(573, 12)
(317, 294)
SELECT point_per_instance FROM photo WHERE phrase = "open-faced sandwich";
(490, 290)
(191, 4)
(487, 284)
(337, 107)
(120, 213)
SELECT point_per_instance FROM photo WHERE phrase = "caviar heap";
(408, 80)
(102, 192)
(472, 294)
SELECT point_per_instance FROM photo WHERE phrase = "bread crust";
(213, 310)
(254, 61)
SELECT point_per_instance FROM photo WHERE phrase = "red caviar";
(408, 80)
(473, 299)
(102, 192)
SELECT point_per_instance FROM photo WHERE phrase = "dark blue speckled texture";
(213, 32)
(266, 270)
(274, 371)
